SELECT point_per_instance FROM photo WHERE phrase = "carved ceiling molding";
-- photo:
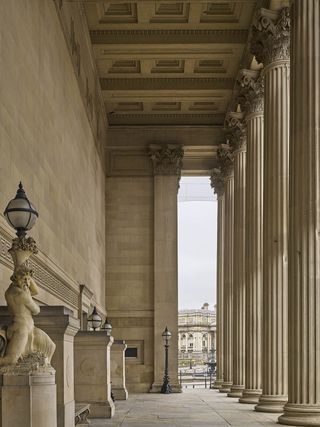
(166, 160)
(271, 36)
(236, 130)
(217, 181)
(163, 83)
(251, 91)
(168, 36)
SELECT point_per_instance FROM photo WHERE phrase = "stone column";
(225, 161)
(303, 407)
(217, 182)
(167, 163)
(270, 45)
(252, 102)
(237, 128)
(118, 370)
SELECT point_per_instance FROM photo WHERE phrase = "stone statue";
(23, 338)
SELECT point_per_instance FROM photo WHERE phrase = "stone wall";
(130, 274)
(51, 133)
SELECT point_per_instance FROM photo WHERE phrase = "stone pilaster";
(236, 128)
(217, 182)
(303, 407)
(270, 45)
(252, 93)
(167, 163)
(225, 160)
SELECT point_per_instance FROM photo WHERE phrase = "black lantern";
(107, 327)
(20, 213)
(166, 387)
(94, 320)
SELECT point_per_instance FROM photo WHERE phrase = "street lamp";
(94, 320)
(166, 388)
(20, 213)
(107, 327)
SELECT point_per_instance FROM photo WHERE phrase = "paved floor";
(194, 408)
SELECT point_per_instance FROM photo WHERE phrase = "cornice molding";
(172, 36)
(49, 280)
(166, 160)
(166, 83)
(270, 40)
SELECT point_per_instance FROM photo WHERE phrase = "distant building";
(197, 335)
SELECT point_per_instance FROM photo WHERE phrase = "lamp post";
(20, 213)
(107, 327)
(166, 387)
(94, 320)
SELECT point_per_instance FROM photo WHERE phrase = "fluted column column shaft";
(271, 46)
(220, 288)
(303, 407)
(253, 258)
(275, 239)
(228, 284)
(238, 376)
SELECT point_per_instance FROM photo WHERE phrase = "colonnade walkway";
(192, 408)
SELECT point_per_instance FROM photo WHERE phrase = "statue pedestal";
(92, 372)
(118, 370)
(29, 399)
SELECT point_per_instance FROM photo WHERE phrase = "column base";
(120, 393)
(236, 391)
(225, 387)
(156, 388)
(218, 384)
(271, 403)
(250, 396)
(300, 415)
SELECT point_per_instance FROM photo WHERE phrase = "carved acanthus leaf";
(271, 36)
(236, 130)
(217, 181)
(225, 160)
(167, 160)
(251, 93)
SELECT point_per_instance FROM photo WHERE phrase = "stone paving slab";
(192, 408)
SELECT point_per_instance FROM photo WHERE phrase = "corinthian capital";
(167, 160)
(271, 36)
(217, 181)
(251, 91)
(236, 130)
(225, 160)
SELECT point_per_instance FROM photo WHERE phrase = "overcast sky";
(197, 225)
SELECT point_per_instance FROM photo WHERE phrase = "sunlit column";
(217, 182)
(167, 163)
(252, 92)
(236, 131)
(303, 407)
(270, 45)
(225, 163)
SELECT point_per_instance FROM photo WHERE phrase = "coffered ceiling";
(168, 62)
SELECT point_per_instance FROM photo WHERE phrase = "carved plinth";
(118, 370)
(28, 394)
(92, 372)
